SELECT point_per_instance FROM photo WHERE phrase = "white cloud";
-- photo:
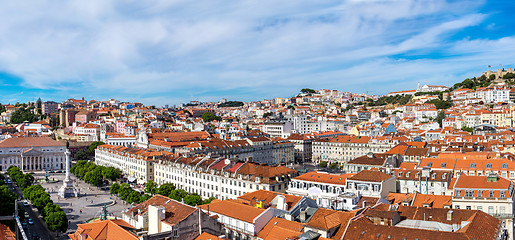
(177, 49)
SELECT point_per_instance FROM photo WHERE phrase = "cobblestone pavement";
(85, 207)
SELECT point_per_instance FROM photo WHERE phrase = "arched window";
(504, 165)
(488, 165)
(473, 165)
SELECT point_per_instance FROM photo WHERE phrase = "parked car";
(31, 221)
(35, 235)
(25, 203)
(27, 215)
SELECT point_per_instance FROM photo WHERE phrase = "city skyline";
(172, 52)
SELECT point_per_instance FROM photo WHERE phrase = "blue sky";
(169, 52)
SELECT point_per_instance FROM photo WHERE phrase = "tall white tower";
(67, 189)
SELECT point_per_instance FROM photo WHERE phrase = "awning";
(131, 179)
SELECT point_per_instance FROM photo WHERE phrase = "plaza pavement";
(85, 207)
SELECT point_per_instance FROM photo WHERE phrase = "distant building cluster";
(429, 163)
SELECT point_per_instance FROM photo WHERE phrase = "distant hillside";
(488, 78)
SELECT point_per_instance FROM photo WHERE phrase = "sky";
(172, 52)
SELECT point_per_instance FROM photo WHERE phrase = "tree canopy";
(231, 104)
(307, 90)
(208, 117)
(23, 114)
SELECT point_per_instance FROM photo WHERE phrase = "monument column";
(67, 190)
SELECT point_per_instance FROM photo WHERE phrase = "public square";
(85, 207)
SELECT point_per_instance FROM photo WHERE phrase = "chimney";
(281, 202)
(449, 215)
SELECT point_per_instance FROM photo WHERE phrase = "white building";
(32, 153)
(324, 188)
(491, 194)
(425, 181)
(220, 178)
(370, 183)
(135, 163)
(278, 129)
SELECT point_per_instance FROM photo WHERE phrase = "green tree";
(467, 129)
(111, 173)
(2, 108)
(114, 188)
(307, 90)
(38, 106)
(81, 155)
(440, 117)
(333, 165)
(124, 191)
(231, 104)
(57, 221)
(151, 187)
(208, 117)
(193, 199)
(93, 146)
(23, 114)
(208, 201)
(144, 198)
(133, 197)
(323, 164)
(165, 189)
(178, 194)
(267, 114)
(6, 201)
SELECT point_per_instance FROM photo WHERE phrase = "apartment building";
(426, 181)
(278, 129)
(220, 177)
(135, 163)
(384, 221)
(261, 150)
(324, 188)
(342, 149)
(49, 107)
(491, 194)
(370, 183)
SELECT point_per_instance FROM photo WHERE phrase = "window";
(458, 193)
(430, 164)
(491, 194)
(473, 165)
(502, 194)
(468, 207)
(468, 193)
(488, 165)
(443, 165)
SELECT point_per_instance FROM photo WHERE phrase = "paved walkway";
(85, 207)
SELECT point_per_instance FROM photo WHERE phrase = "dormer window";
(488, 165)
(504, 165)
(430, 164)
(473, 165)
(443, 165)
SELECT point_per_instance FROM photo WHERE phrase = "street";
(39, 226)
(78, 210)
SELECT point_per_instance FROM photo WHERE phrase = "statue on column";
(68, 190)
